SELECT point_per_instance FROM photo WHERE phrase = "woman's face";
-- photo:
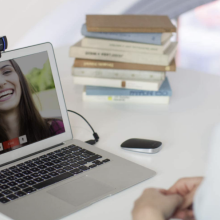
(10, 88)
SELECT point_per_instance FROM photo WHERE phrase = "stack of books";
(124, 58)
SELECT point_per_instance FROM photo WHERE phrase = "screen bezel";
(52, 141)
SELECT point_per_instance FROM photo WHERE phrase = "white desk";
(184, 127)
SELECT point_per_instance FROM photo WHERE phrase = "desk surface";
(184, 127)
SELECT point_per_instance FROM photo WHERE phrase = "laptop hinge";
(29, 155)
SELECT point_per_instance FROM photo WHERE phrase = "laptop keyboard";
(25, 178)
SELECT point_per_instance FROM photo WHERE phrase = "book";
(129, 23)
(118, 74)
(118, 83)
(104, 94)
(124, 56)
(147, 38)
(165, 90)
(125, 46)
(123, 66)
(128, 99)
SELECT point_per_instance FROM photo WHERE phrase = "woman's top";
(207, 199)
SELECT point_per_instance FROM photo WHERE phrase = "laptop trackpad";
(81, 191)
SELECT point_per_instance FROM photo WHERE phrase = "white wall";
(57, 21)
(18, 16)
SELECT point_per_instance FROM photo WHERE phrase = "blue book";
(147, 38)
(165, 90)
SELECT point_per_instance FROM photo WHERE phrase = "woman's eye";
(7, 72)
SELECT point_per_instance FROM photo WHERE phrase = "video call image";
(29, 108)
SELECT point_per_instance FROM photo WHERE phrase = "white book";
(125, 45)
(124, 56)
(118, 73)
(127, 99)
(119, 83)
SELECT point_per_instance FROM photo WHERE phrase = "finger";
(190, 213)
(171, 203)
(188, 200)
(180, 187)
(184, 214)
(175, 201)
(163, 191)
(185, 185)
(166, 192)
(180, 214)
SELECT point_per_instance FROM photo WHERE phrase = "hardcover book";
(124, 56)
(103, 94)
(118, 83)
(165, 90)
(128, 99)
(129, 23)
(118, 74)
(147, 38)
(125, 46)
(123, 66)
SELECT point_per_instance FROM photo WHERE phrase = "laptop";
(44, 172)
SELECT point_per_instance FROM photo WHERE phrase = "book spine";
(124, 46)
(118, 56)
(147, 38)
(102, 91)
(127, 99)
(123, 66)
(118, 74)
(117, 83)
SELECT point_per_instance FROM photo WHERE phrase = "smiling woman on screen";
(18, 113)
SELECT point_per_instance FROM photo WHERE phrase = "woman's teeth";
(5, 93)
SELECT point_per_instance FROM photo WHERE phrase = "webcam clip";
(3, 44)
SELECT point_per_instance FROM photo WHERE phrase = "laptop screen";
(29, 107)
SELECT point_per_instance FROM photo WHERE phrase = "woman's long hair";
(31, 123)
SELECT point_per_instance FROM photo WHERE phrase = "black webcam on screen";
(3, 44)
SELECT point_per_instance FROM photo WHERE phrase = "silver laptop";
(44, 172)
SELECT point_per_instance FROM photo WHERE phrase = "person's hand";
(186, 187)
(154, 204)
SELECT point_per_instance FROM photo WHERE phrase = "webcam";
(3, 44)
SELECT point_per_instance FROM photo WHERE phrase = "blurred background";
(37, 70)
(29, 22)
